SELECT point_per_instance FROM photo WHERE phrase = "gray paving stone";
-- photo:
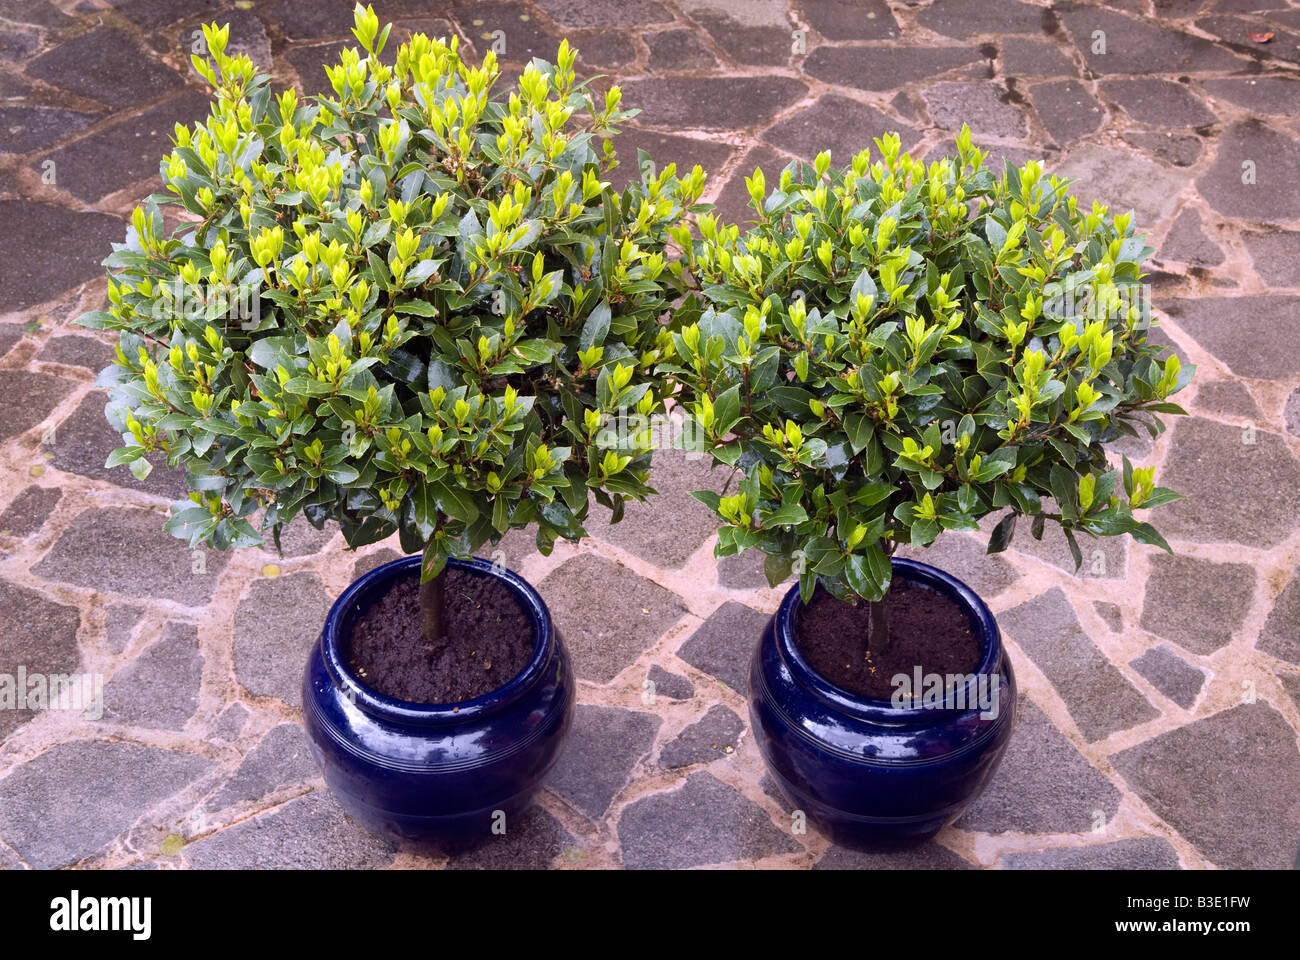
(1158, 102)
(704, 741)
(17, 45)
(1280, 635)
(1104, 558)
(10, 334)
(275, 626)
(712, 103)
(885, 68)
(604, 13)
(160, 687)
(604, 638)
(308, 833)
(75, 350)
(1226, 783)
(125, 550)
(525, 35)
(81, 239)
(532, 841)
(1276, 256)
(665, 148)
(119, 625)
(1227, 396)
(843, 20)
(603, 746)
(643, 532)
(670, 685)
(1121, 182)
(963, 19)
(723, 645)
(838, 124)
(29, 127)
(928, 856)
(1291, 684)
(1187, 242)
(29, 510)
(1111, 613)
(230, 723)
(373, 560)
(985, 107)
(84, 440)
(1067, 109)
(1100, 700)
(1291, 413)
(965, 558)
(1133, 46)
(1034, 58)
(1043, 785)
(300, 539)
(38, 13)
(152, 14)
(755, 33)
(1181, 150)
(105, 65)
(313, 20)
(1171, 675)
(678, 49)
(1275, 95)
(1138, 853)
(73, 799)
(1197, 603)
(607, 50)
(732, 204)
(1233, 492)
(702, 822)
(38, 636)
(26, 399)
(125, 153)
(1236, 31)
(742, 571)
(1276, 160)
(282, 757)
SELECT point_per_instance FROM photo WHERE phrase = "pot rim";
(384, 707)
(883, 711)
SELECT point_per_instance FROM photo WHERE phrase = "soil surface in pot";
(488, 640)
(926, 629)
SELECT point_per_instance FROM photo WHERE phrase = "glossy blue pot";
(450, 774)
(874, 773)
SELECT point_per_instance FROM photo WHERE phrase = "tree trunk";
(432, 611)
(877, 626)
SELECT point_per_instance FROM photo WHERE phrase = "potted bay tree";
(893, 351)
(410, 307)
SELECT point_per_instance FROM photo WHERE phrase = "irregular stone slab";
(372, 561)
(1180, 150)
(26, 399)
(1111, 613)
(29, 510)
(152, 14)
(664, 148)
(73, 799)
(275, 626)
(1276, 166)
(38, 635)
(838, 124)
(1291, 413)
(1100, 700)
(603, 746)
(642, 530)
(885, 68)
(963, 19)
(1235, 32)
(38, 13)
(105, 65)
(713, 736)
(1043, 785)
(1227, 396)
(119, 156)
(1136, 47)
(29, 128)
(1226, 783)
(1067, 109)
(84, 440)
(125, 550)
(702, 822)
(76, 350)
(1276, 95)
(532, 841)
(1276, 256)
(313, 20)
(1171, 675)
(723, 645)
(607, 50)
(1104, 558)
(755, 33)
(742, 571)
(1198, 604)
(119, 625)
(230, 723)
(604, 13)
(82, 240)
(713, 103)
(525, 36)
(301, 539)
(670, 685)
(732, 205)
(965, 558)
(1233, 492)
(674, 50)
(986, 107)
(1138, 853)
(1034, 58)
(1256, 337)
(308, 833)
(1121, 182)
(928, 856)
(10, 333)
(1161, 103)
(281, 758)
(1187, 242)
(605, 638)
(850, 19)
(160, 688)
(1281, 633)
(1291, 684)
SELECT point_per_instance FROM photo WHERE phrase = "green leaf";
(596, 328)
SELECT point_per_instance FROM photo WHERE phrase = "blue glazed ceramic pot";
(444, 773)
(875, 773)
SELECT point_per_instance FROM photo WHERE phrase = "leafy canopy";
(896, 349)
(409, 306)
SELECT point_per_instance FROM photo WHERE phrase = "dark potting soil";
(488, 639)
(926, 629)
